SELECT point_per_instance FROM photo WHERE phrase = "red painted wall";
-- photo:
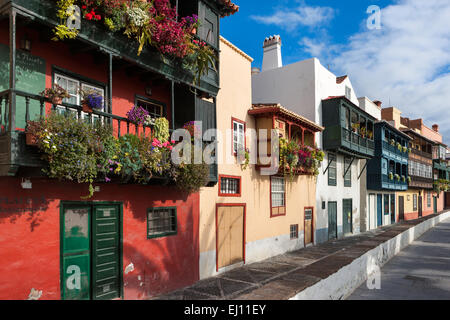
(124, 86)
(30, 238)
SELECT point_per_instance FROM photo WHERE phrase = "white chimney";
(272, 53)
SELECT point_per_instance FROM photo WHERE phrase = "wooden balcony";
(41, 15)
(338, 137)
(16, 157)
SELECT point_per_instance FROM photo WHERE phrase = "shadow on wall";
(23, 203)
(161, 264)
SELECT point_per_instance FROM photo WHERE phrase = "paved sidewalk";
(282, 277)
(420, 272)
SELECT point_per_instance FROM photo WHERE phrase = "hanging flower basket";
(86, 108)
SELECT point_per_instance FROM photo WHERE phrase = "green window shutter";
(332, 181)
(348, 175)
(209, 25)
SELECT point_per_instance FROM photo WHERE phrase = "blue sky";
(406, 62)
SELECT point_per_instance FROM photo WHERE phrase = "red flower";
(89, 16)
(84, 7)
(98, 17)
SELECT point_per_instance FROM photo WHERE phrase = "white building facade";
(302, 87)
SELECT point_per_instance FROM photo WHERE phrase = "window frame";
(330, 167)
(244, 126)
(415, 202)
(272, 215)
(163, 234)
(294, 232)
(152, 101)
(229, 194)
(81, 82)
(348, 176)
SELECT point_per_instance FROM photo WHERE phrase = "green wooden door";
(91, 252)
(106, 253)
(347, 216)
(76, 253)
(332, 220)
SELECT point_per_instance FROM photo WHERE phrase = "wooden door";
(420, 206)
(308, 229)
(401, 208)
(91, 252)
(379, 210)
(332, 220)
(347, 216)
(230, 235)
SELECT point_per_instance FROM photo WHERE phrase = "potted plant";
(362, 132)
(403, 178)
(409, 180)
(370, 134)
(91, 100)
(391, 176)
(397, 177)
(137, 115)
(405, 149)
(31, 133)
(355, 127)
(393, 142)
(56, 94)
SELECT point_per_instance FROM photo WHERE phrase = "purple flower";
(137, 115)
(107, 179)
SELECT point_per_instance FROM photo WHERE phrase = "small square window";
(161, 222)
(294, 231)
(229, 186)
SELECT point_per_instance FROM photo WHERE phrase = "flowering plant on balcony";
(393, 142)
(403, 178)
(84, 153)
(362, 132)
(294, 157)
(56, 94)
(154, 23)
(405, 149)
(397, 177)
(409, 180)
(91, 100)
(193, 129)
(441, 185)
(137, 115)
(399, 147)
(355, 127)
(370, 134)
(391, 176)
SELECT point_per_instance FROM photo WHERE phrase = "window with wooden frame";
(414, 202)
(277, 196)
(73, 85)
(238, 127)
(428, 199)
(348, 172)
(155, 108)
(229, 186)
(161, 222)
(332, 171)
(294, 231)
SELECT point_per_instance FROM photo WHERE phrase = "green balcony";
(348, 129)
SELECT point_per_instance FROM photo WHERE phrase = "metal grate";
(162, 222)
(229, 186)
(294, 231)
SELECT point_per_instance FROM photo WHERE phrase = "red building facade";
(53, 244)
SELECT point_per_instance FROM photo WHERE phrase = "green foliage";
(191, 177)
(161, 129)
(78, 151)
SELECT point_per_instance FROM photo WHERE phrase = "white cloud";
(313, 47)
(291, 18)
(406, 62)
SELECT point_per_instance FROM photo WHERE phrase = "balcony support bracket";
(328, 167)
(364, 168)
(349, 166)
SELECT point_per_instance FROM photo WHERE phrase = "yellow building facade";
(248, 216)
